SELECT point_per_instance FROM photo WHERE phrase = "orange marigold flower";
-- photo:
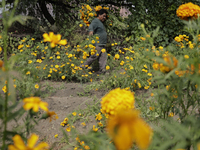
(188, 11)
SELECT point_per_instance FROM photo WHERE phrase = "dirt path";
(63, 102)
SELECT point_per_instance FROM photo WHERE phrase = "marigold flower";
(98, 116)
(103, 50)
(107, 67)
(171, 114)
(20, 46)
(19, 143)
(54, 39)
(186, 56)
(74, 113)
(83, 124)
(94, 129)
(36, 86)
(80, 25)
(117, 56)
(56, 135)
(188, 11)
(34, 103)
(68, 129)
(117, 99)
(63, 77)
(52, 115)
(126, 128)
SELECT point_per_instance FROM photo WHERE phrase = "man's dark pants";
(102, 57)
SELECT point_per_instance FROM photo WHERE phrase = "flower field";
(147, 99)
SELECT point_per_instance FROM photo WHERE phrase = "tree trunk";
(45, 12)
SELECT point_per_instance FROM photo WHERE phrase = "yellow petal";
(46, 37)
(41, 146)
(58, 37)
(35, 107)
(12, 147)
(122, 139)
(28, 106)
(51, 35)
(62, 42)
(43, 106)
(18, 142)
(32, 141)
(53, 45)
(142, 133)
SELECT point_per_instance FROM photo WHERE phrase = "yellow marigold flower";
(83, 124)
(126, 128)
(107, 67)
(28, 72)
(177, 39)
(142, 38)
(19, 143)
(56, 135)
(156, 66)
(20, 46)
(36, 86)
(149, 74)
(117, 99)
(117, 56)
(93, 41)
(112, 44)
(63, 77)
(186, 56)
(74, 113)
(148, 36)
(58, 57)
(39, 60)
(52, 115)
(161, 48)
(68, 129)
(122, 63)
(4, 89)
(34, 103)
(94, 129)
(188, 11)
(86, 147)
(151, 108)
(100, 124)
(54, 39)
(103, 50)
(97, 8)
(152, 94)
(80, 25)
(98, 116)
(171, 114)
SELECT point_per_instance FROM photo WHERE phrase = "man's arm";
(90, 33)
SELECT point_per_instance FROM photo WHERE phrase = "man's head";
(102, 15)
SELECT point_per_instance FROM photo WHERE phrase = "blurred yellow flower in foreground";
(54, 39)
(117, 99)
(19, 143)
(34, 103)
(126, 128)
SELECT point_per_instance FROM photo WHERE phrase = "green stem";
(6, 68)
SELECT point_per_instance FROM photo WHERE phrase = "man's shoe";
(101, 72)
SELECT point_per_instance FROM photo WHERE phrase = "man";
(97, 27)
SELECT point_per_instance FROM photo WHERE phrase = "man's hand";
(90, 33)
